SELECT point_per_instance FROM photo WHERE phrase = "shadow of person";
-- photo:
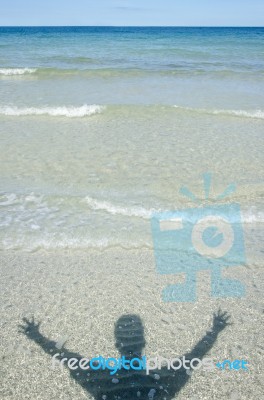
(159, 383)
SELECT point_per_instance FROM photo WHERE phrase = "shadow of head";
(129, 335)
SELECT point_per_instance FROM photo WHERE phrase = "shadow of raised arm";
(220, 322)
(31, 330)
(174, 381)
(60, 356)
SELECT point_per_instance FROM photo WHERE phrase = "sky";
(132, 12)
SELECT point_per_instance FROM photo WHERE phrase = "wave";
(257, 114)
(63, 111)
(17, 71)
(114, 209)
(66, 72)
(249, 216)
(33, 221)
(113, 72)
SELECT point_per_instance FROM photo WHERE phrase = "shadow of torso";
(160, 384)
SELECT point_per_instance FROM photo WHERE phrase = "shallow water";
(100, 127)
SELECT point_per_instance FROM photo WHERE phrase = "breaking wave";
(17, 71)
(63, 111)
(257, 114)
(119, 210)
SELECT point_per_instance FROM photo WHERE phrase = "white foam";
(17, 71)
(114, 209)
(10, 199)
(252, 216)
(63, 111)
(257, 114)
(241, 113)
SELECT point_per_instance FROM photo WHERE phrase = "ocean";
(100, 127)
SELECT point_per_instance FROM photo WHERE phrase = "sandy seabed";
(79, 295)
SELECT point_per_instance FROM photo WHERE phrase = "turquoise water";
(189, 67)
(102, 126)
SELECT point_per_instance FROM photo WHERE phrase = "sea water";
(100, 127)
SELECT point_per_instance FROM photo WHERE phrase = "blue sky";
(133, 12)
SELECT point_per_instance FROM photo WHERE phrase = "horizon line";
(130, 26)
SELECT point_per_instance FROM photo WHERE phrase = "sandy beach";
(79, 296)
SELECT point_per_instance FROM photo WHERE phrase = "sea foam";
(63, 111)
(111, 208)
(17, 71)
(258, 114)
